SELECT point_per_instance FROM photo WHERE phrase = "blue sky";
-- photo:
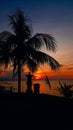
(52, 13)
(47, 16)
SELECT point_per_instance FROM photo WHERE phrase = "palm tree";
(20, 48)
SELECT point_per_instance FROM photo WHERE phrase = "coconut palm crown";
(21, 48)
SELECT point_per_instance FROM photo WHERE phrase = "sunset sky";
(47, 16)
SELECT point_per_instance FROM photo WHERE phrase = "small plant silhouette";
(65, 90)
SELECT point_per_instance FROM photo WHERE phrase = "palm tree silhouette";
(20, 48)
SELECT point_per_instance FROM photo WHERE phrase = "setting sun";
(37, 76)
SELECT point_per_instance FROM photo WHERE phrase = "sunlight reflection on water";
(44, 88)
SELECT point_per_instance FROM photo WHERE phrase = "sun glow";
(37, 76)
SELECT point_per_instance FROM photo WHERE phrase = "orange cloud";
(3, 74)
(65, 72)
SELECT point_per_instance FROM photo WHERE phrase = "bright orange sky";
(65, 72)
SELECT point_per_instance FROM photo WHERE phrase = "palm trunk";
(19, 77)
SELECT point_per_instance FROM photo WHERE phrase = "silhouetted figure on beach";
(29, 83)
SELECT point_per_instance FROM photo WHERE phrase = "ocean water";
(44, 88)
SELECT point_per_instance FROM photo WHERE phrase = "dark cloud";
(1, 71)
(70, 65)
(61, 65)
(70, 68)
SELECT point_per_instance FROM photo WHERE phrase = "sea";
(44, 87)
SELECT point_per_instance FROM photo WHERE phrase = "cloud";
(1, 71)
(70, 65)
(70, 68)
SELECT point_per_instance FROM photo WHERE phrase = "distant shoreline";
(35, 79)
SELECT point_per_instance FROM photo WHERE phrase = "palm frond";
(19, 25)
(40, 39)
(60, 84)
(34, 42)
(13, 23)
(4, 61)
(48, 40)
(5, 54)
(47, 81)
(31, 65)
(41, 58)
(5, 35)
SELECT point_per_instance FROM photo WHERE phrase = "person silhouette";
(29, 83)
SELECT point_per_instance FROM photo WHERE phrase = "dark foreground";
(35, 112)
